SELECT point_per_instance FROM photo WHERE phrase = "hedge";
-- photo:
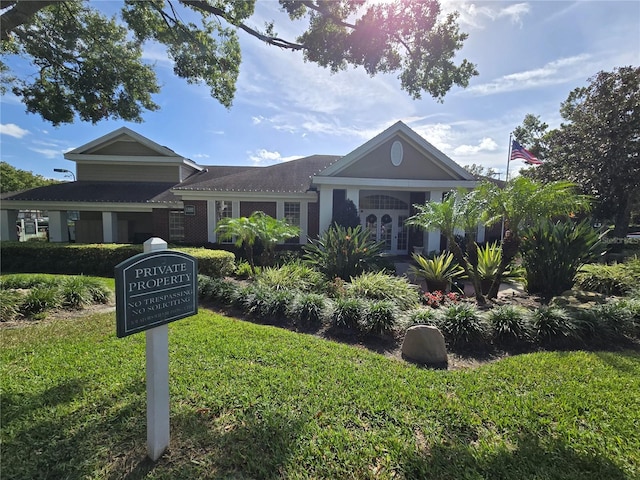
(96, 259)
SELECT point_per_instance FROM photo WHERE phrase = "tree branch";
(278, 42)
(19, 14)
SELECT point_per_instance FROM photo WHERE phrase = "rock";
(424, 344)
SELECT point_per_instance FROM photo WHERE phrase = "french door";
(387, 226)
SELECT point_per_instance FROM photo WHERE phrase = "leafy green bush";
(10, 303)
(379, 317)
(96, 259)
(462, 326)
(348, 312)
(309, 308)
(214, 263)
(243, 270)
(39, 299)
(27, 281)
(554, 325)
(380, 286)
(614, 279)
(489, 257)
(291, 276)
(419, 316)
(344, 252)
(75, 293)
(509, 325)
(552, 253)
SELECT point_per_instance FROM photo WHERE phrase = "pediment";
(123, 143)
(398, 153)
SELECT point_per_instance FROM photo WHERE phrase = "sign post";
(153, 289)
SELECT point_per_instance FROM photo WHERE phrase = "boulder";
(424, 344)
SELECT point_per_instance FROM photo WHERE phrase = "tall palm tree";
(458, 211)
(522, 203)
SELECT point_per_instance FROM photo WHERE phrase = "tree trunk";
(472, 273)
(510, 247)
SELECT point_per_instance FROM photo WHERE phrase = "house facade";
(130, 188)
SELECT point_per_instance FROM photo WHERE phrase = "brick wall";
(195, 226)
(247, 208)
(161, 223)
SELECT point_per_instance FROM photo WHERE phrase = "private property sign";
(153, 289)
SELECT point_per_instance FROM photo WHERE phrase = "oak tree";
(90, 65)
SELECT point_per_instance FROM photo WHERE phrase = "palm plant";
(521, 203)
(459, 210)
(246, 230)
(438, 271)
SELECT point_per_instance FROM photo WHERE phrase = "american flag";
(518, 151)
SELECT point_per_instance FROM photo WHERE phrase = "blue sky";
(530, 55)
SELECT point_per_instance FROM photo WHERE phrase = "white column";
(58, 228)
(481, 233)
(109, 227)
(304, 222)
(434, 235)
(353, 194)
(325, 207)
(157, 357)
(8, 228)
(211, 220)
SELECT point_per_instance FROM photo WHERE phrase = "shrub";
(553, 325)
(10, 303)
(617, 318)
(224, 291)
(277, 304)
(39, 299)
(379, 317)
(348, 312)
(552, 253)
(509, 325)
(489, 258)
(615, 279)
(462, 326)
(291, 276)
(418, 316)
(243, 270)
(27, 281)
(437, 299)
(344, 252)
(380, 286)
(75, 293)
(309, 308)
(438, 271)
(214, 263)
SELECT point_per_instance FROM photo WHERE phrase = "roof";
(110, 192)
(289, 177)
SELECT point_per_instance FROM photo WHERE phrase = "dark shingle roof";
(287, 177)
(85, 191)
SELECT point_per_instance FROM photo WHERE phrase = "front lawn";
(253, 401)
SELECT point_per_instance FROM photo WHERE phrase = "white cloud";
(553, 73)
(13, 130)
(486, 145)
(265, 157)
(201, 155)
(47, 152)
(474, 15)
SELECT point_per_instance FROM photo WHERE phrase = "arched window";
(382, 202)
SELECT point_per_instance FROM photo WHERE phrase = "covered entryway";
(384, 216)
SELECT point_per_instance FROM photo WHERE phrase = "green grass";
(252, 401)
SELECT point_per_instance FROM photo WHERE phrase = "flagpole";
(505, 181)
(509, 156)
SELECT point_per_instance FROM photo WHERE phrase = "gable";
(406, 162)
(398, 153)
(125, 146)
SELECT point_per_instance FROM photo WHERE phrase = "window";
(292, 217)
(176, 226)
(382, 202)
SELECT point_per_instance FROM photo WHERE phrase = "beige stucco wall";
(377, 164)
